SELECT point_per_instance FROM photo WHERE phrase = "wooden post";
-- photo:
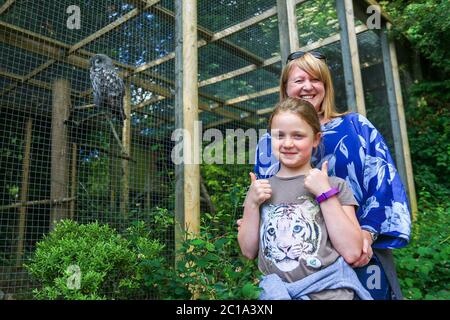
(390, 88)
(350, 57)
(287, 28)
(126, 142)
(59, 172)
(404, 156)
(73, 182)
(187, 174)
(24, 192)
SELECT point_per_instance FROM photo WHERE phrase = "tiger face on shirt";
(290, 233)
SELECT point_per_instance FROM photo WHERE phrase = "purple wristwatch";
(324, 196)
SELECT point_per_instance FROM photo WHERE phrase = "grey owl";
(108, 86)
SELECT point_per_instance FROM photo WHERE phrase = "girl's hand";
(259, 191)
(239, 222)
(317, 181)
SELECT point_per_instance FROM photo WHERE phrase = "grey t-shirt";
(294, 241)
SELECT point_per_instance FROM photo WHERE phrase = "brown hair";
(302, 108)
(318, 69)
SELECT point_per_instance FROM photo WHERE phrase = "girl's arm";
(343, 227)
(248, 232)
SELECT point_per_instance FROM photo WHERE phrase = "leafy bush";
(208, 268)
(423, 266)
(105, 263)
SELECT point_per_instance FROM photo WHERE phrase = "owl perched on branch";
(108, 87)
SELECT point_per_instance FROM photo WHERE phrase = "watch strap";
(324, 196)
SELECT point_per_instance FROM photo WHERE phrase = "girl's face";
(293, 140)
(302, 85)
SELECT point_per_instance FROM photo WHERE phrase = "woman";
(356, 152)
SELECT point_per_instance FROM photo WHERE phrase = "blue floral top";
(357, 152)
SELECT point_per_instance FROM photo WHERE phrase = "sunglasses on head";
(298, 54)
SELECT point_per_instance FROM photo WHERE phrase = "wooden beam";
(53, 48)
(238, 72)
(73, 180)
(253, 95)
(287, 28)
(403, 129)
(116, 23)
(59, 150)
(35, 203)
(350, 57)
(56, 53)
(126, 142)
(24, 192)
(6, 6)
(187, 173)
(217, 123)
(213, 37)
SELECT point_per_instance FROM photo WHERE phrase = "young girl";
(300, 222)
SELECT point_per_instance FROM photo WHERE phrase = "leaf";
(210, 247)
(220, 243)
(249, 290)
(197, 242)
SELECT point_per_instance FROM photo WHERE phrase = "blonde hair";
(301, 108)
(318, 69)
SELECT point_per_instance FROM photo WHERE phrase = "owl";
(108, 87)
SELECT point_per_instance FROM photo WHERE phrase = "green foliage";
(210, 265)
(205, 270)
(426, 25)
(422, 267)
(107, 263)
(428, 129)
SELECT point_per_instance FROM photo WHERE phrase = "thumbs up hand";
(317, 181)
(259, 191)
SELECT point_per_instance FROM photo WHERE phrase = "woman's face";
(302, 85)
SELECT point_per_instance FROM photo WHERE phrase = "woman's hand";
(259, 191)
(317, 181)
(367, 253)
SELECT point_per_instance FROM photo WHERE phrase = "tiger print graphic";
(290, 233)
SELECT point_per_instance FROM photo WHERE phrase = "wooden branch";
(36, 203)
